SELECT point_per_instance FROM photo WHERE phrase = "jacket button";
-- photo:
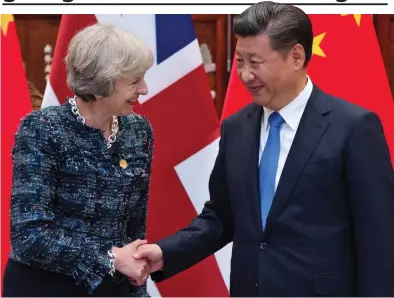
(257, 284)
(263, 246)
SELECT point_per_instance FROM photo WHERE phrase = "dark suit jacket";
(330, 230)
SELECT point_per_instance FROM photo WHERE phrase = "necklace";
(80, 118)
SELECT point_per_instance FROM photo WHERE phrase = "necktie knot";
(275, 120)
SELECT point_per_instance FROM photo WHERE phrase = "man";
(303, 183)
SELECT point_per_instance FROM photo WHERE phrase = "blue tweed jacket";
(71, 199)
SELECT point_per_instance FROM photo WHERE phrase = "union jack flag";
(181, 110)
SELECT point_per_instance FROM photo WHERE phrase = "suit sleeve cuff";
(170, 261)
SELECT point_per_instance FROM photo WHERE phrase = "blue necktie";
(269, 165)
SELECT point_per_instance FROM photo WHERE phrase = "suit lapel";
(312, 127)
(250, 153)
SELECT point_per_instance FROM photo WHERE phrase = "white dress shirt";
(291, 114)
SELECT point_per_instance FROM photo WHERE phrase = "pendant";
(123, 163)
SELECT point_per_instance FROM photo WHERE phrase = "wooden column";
(385, 35)
(211, 31)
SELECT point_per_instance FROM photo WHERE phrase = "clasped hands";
(137, 260)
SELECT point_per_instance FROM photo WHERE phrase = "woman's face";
(125, 94)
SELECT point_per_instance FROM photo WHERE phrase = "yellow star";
(5, 20)
(357, 17)
(316, 49)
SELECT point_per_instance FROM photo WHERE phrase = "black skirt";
(25, 281)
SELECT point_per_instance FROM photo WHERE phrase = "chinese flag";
(15, 104)
(346, 62)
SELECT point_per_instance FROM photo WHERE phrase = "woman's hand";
(136, 270)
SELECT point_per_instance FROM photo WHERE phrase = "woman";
(81, 177)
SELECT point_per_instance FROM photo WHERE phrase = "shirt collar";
(293, 111)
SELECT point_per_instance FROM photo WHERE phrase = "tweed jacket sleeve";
(34, 233)
(136, 227)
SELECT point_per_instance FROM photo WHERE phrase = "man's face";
(267, 74)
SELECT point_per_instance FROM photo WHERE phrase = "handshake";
(137, 260)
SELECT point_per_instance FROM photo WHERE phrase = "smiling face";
(270, 76)
(108, 63)
(125, 94)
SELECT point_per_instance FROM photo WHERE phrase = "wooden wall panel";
(35, 32)
(384, 25)
(211, 30)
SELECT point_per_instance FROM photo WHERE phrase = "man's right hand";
(151, 252)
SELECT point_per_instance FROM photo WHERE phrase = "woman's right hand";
(136, 270)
